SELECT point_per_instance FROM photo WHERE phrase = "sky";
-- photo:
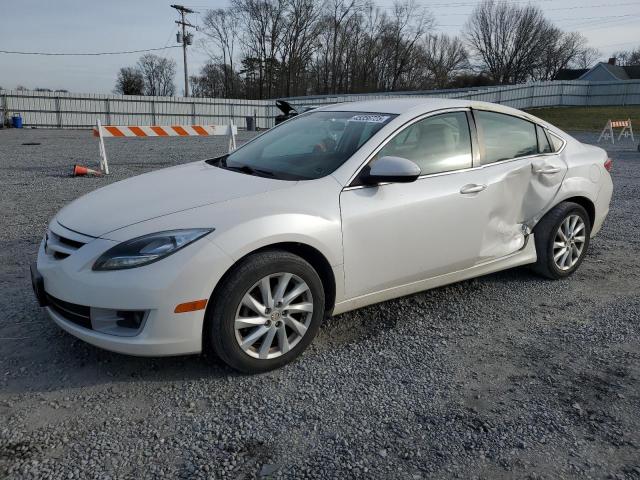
(66, 26)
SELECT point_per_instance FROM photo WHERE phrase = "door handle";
(472, 188)
(546, 170)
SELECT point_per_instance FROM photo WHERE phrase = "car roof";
(417, 105)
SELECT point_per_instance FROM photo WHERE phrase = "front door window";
(437, 144)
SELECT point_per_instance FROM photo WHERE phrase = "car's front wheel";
(562, 240)
(266, 312)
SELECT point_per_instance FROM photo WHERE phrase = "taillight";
(608, 164)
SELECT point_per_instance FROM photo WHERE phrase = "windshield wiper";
(249, 170)
(221, 162)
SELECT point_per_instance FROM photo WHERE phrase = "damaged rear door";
(522, 176)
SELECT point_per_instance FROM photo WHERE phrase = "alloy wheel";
(569, 241)
(273, 315)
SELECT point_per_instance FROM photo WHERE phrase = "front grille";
(78, 314)
(60, 247)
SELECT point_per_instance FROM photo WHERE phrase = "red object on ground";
(82, 171)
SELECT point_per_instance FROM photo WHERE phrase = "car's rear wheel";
(267, 311)
(562, 240)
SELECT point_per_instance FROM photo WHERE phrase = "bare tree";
(129, 82)
(627, 57)
(366, 51)
(621, 56)
(263, 34)
(221, 26)
(363, 49)
(586, 58)
(299, 43)
(215, 80)
(558, 52)
(298, 47)
(507, 38)
(408, 23)
(339, 19)
(445, 57)
(158, 74)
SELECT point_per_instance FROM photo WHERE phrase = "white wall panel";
(69, 110)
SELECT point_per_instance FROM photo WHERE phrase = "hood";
(160, 193)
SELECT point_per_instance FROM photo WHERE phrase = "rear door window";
(505, 137)
(556, 142)
(543, 142)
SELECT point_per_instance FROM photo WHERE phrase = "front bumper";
(189, 274)
(155, 340)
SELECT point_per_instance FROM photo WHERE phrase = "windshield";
(306, 147)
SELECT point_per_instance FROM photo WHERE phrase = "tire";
(229, 309)
(545, 233)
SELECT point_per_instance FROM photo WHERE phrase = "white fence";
(68, 110)
(72, 110)
(530, 95)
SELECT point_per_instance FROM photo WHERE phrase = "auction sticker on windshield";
(369, 118)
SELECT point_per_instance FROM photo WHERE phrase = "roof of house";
(615, 71)
(633, 71)
(571, 73)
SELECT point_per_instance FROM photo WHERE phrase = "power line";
(174, 30)
(540, 3)
(618, 23)
(92, 54)
(592, 6)
(618, 44)
(547, 10)
(598, 19)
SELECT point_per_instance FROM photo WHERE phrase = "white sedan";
(335, 209)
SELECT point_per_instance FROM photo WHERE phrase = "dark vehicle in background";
(289, 110)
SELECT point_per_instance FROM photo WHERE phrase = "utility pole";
(186, 40)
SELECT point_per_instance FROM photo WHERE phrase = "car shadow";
(58, 361)
(43, 358)
(372, 321)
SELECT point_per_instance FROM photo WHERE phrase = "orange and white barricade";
(607, 131)
(106, 131)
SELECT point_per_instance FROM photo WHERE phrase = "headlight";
(148, 248)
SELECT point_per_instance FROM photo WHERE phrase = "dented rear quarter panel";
(586, 177)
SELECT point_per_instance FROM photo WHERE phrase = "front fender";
(308, 213)
(323, 234)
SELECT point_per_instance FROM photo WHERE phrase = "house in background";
(570, 73)
(601, 72)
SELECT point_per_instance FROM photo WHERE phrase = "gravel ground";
(506, 376)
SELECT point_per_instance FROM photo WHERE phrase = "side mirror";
(391, 170)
